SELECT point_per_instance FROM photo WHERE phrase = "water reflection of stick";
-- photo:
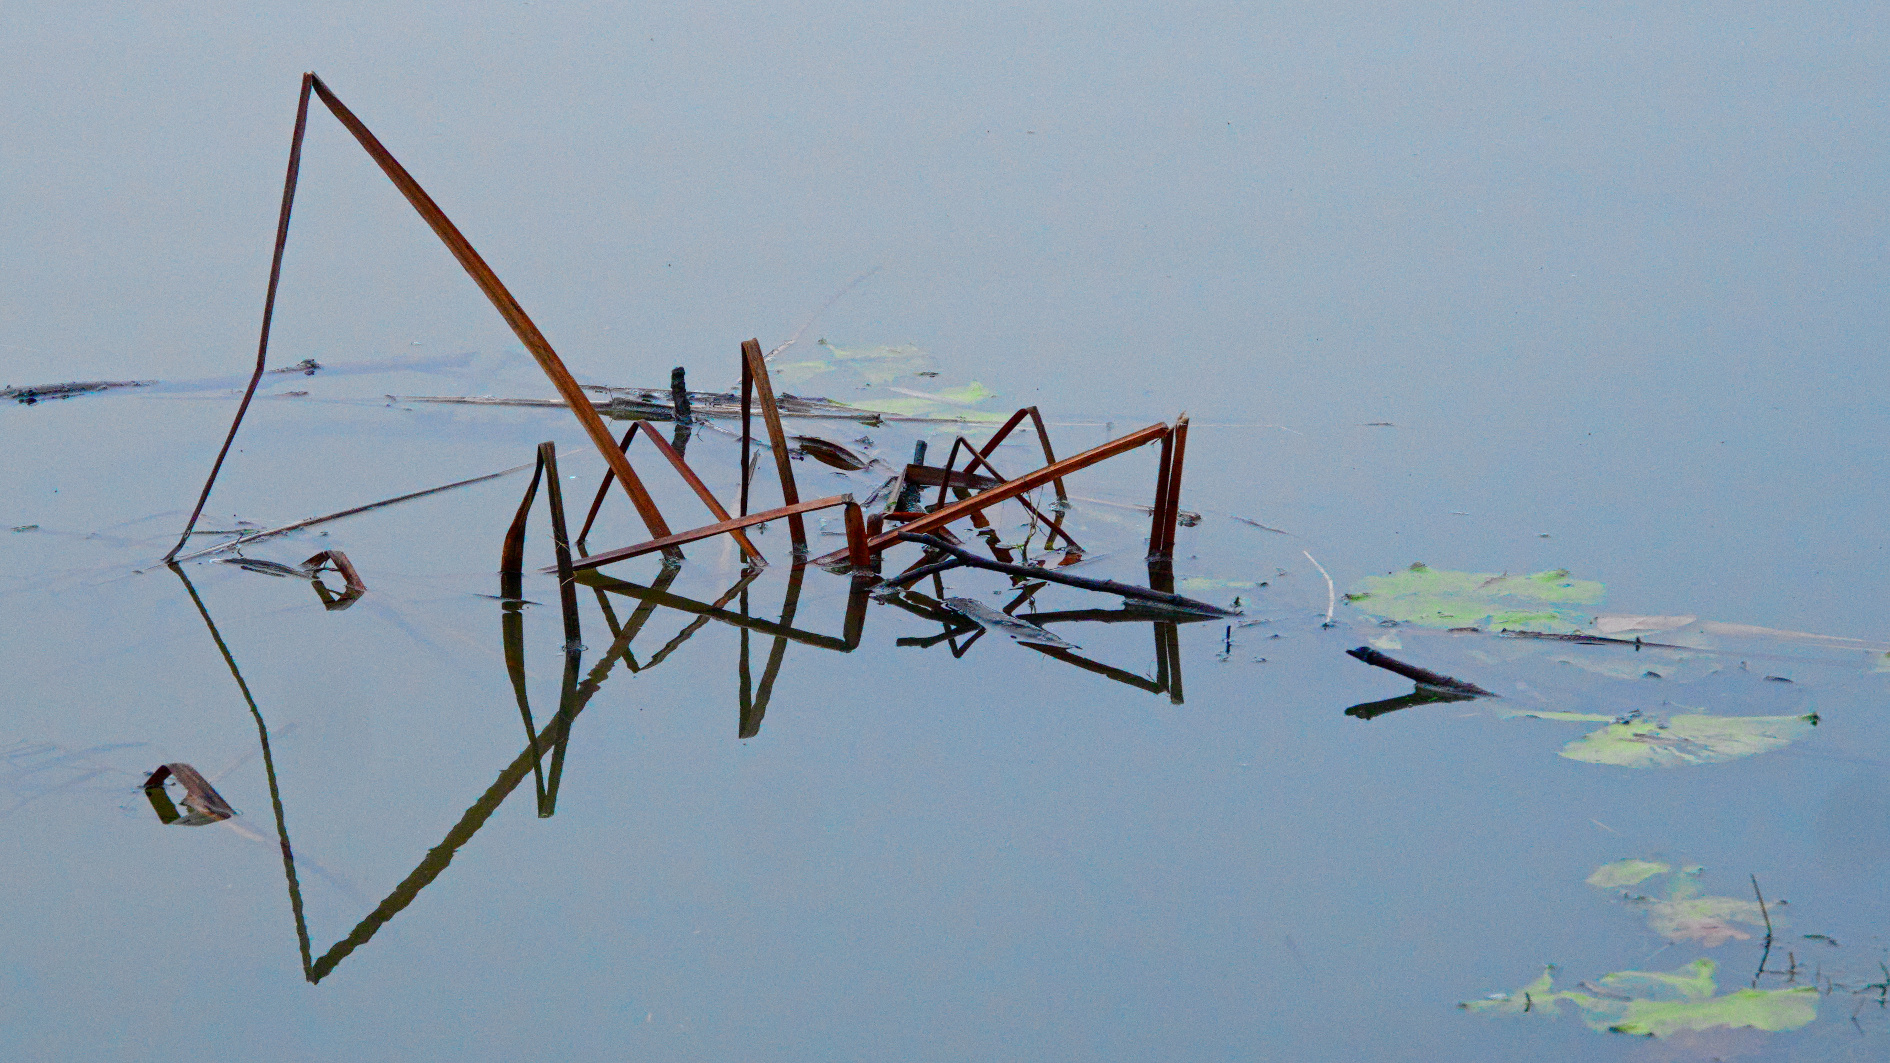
(966, 557)
(269, 769)
(1332, 597)
(1767, 916)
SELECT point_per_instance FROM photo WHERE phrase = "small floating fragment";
(991, 620)
(204, 805)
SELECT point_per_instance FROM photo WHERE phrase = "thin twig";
(269, 310)
(312, 521)
(1767, 916)
(824, 307)
(1332, 595)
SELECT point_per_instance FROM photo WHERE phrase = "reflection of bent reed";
(754, 700)
(575, 695)
(1165, 623)
(573, 698)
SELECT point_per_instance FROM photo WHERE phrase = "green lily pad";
(1545, 601)
(1625, 873)
(1684, 740)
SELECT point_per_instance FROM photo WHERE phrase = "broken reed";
(863, 546)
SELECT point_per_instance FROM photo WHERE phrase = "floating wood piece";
(1423, 676)
(655, 404)
(27, 396)
(353, 585)
(205, 804)
(757, 369)
(679, 395)
(991, 620)
(679, 538)
(976, 503)
(475, 266)
(906, 495)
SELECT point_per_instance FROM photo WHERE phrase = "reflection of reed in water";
(574, 696)
(1165, 623)
(551, 741)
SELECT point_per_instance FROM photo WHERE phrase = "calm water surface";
(1498, 290)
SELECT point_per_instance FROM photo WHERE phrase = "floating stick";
(1416, 674)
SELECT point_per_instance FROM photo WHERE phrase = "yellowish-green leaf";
(1758, 1009)
(1685, 740)
(1545, 601)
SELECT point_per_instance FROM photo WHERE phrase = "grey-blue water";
(1499, 289)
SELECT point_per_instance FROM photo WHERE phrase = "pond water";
(1586, 295)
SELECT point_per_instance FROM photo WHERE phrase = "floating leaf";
(1708, 920)
(1625, 873)
(1563, 717)
(968, 395)
(1647, 1006)
(1537, 995)
(1686, 740)
(1686, 915)
(793, 374)
(1432, 597)
(1633, 625)
(882, 365)
(1205, 583)
(917, 407)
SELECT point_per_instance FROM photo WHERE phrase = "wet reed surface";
(732, 829)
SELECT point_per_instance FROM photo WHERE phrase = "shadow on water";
(543, 756)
